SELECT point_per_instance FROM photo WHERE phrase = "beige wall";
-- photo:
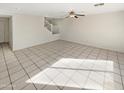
(102, 30)
(29, 31)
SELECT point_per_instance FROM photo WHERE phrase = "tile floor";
(61, 65)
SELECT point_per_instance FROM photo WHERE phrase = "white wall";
(6, 25)
(102, 30)
(29, 31)
(10, 33)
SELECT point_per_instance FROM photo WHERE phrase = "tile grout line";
(40, 56)
(72, 69)
(105, 73)
(56, 53)
(20, 77)
(24, 86)
(90, 71)
(37, 55)
(83, 51)
(32, 61)
(97, 59)
(7, 67)
(40, 48)
(14, 72)
(33, 64)
(120, 70)
(24, 69)
(84, 69)
(87, 57)
(71, 80)
(53, 51)
(10, 68)
(37, 66)
(73, 73)
(49, 67)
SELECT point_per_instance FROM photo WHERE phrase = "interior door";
(1, 32)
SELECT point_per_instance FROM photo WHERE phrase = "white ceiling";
(57, 10)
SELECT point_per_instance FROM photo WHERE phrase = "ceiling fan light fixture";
(72, 15)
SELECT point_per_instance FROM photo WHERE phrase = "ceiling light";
(98, 4)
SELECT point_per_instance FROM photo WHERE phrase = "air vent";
(98, 4)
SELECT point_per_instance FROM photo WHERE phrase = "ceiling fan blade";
(75, 16)
(79, 14)
(67, 17)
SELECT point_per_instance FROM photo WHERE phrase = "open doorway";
(6, 31)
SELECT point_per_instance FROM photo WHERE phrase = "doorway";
(4, 30)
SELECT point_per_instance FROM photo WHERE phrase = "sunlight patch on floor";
(78, 73)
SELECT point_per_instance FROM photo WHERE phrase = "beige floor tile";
(102, 73)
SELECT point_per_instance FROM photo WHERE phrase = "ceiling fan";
(72, 14)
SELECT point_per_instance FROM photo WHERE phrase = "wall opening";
(6, 30)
